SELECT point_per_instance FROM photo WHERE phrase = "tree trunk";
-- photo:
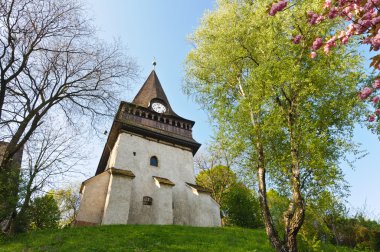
(274, 239)
(2, 97)
(295, 215)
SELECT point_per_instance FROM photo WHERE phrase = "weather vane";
(154, 63)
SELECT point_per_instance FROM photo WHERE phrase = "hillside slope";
(143, 238)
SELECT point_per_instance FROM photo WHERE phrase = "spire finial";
(154, 63)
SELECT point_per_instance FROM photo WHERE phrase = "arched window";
(154, 161)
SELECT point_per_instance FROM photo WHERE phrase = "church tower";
(145, 174)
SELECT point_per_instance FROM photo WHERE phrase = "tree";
(43, 213)
(363, 19)
(68, 200)
(51, 155)
(218, 179)
(51, 63)
(362, 16)
(241, 207)
(238, 203)
(288, 116)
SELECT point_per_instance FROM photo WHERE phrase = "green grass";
(144, 238)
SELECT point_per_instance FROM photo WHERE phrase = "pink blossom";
(365, 23)
(333, 13)
(319, 19)
(375, 100)
(327, 4)
(326, 49)
(362, 26)
(368, 6)
(371, 118)
(344, 40)
(276, 7)
(376, 84)
(346, 12)
(331, 41)
(350, 30)
(314, 18)
(342, 2)
(367, 40)
(342, 34)
(367, 15)
(329, 44)
(375, 20)
(318, 42)
(297, 39)
(343, 37)
(365, 93)
(377, 112)
(357, 8)
(375, 41)
(313, 55)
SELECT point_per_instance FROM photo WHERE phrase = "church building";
(146, 173)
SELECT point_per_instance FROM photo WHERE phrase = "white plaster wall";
(182, 206)
(203, 211)
(175, 164)
(162, 207)
(93, 198)
(116, 208)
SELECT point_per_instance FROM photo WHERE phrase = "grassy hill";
(144, 238)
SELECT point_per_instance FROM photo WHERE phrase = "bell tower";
(151, 116)
(145, 174)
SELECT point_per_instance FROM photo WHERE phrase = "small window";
(154, 161)
(147, 200)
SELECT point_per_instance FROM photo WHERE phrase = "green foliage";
(357, 232)
(241, 207)
(218, 179)
(43, 213)
(146, 238)
(68, 202)
(238, 204)
(323, 215)
(309, 245)
(273, 105)
(277, 205)
(244, 66)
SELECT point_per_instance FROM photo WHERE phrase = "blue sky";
(159, 29)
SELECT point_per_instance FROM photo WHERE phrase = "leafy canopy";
(245, 71)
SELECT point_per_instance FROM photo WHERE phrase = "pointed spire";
(150, 90)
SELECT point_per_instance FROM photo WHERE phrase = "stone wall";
(133, 153)
(117, 204)
(109, 199)
(94, 193)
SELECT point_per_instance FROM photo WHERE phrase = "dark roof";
(199, 188)
(164, 181)
(152, 89)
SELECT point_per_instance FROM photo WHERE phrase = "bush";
(43, 213)
(241, 207)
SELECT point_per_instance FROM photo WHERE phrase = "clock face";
(158, 107)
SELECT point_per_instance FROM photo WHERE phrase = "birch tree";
(288, 115)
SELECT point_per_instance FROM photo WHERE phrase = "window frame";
(153, 161)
